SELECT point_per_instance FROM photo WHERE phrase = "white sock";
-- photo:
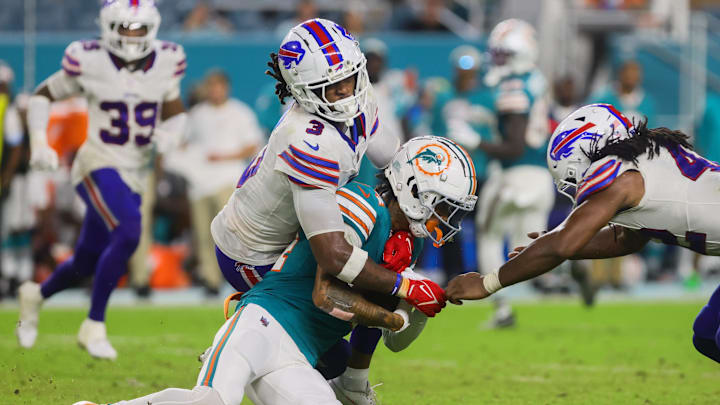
(355, 379)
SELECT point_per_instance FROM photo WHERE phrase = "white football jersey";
(681, 201)
(123, 106)
(259, 220)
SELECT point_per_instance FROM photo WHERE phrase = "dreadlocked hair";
(641, 140)
(281, 87)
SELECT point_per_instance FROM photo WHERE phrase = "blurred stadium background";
(653, 58)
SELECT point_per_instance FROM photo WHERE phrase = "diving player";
(631, 184)
(132, 83)
(269, 347)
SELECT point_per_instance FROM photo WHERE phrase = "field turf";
(559, 353)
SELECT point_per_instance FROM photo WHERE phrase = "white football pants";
(251, 354)
(513, 202)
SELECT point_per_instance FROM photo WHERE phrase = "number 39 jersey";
(259, 220)
(124, 105)
(681, 201)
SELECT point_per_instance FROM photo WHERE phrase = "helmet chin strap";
(417, 228)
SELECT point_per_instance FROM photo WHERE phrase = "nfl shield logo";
(290, 52)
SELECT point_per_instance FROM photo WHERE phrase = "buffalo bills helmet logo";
(563, 144)
(344, 32)
(290, 52)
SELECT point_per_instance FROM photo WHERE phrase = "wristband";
(401, 287)
(353, 266)
(491, 282)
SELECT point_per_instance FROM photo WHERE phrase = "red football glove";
(398, 251)
(424, 295)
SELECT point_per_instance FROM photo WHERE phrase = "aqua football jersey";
(521, 94)
(286, 290)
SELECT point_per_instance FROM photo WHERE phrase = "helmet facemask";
(443, 217)
(118, 20)
(313, 95)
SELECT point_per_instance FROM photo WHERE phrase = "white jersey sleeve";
(600, 175)
(309, 160)
(171, 57)
(64, 83)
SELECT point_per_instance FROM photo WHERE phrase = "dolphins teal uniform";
(286, 290)
(518, 94)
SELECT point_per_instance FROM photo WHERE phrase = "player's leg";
(335, 360)
(119, 207)
(139, 265)
(706, 328)
(295, 384)
(353, 386)
(93, 238)
(174, 396)
(247, 346)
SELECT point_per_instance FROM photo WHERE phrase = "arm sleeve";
(382, 145)
(179, 67)
(397, 341)
(317, 210)
(62, 85)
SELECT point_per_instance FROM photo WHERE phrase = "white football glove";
(462, 133)
(43, 158)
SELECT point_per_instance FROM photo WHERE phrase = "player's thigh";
(297, 384)
(243, 349)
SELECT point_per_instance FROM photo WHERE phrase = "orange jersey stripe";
(355, 218)
(358, 203)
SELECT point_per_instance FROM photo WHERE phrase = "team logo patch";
(290, 52)
(563, 144)
(431, 159)
(264, 321)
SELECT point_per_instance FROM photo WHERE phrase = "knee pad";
(707, 322)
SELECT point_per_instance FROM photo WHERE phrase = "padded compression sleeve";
(381, 148)
(317, 210)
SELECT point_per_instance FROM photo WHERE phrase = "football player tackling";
(268, 348)
(315, 148)
(131, 82)
(632, 184)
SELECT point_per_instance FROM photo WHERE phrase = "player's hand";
(43, 158)
(468, 286)
(519, 249)
(425, 295)
(397, 255)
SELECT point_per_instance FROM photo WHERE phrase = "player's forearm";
(513, 143)
(611, 242)
(38, 116)
(538, 258)
(339, 300)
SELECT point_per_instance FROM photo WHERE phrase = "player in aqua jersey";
(269, 347)
(132, 84)
(631, 184)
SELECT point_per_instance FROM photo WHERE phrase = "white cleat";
(30, 301)
(93, 338)
(347, 397)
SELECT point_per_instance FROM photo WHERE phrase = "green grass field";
(560, 353)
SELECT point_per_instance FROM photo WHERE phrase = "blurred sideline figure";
(629, 184)
(223, 134)
(518, 198)
(132, 83)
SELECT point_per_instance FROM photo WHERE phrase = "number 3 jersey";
(259, 220)
(124, 105)
(681, 201)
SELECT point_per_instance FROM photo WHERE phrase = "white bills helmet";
(514, 50)
(318, 53)
(132, 15)
(586, 129)
(434, 182)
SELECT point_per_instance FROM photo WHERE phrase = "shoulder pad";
(309, 165)
(172, 57)
(76, 56)
(599, 176)
(358, 204)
